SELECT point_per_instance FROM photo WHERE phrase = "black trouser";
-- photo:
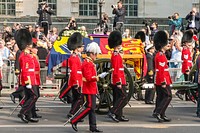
(119, 100)
(77, 100)
(46, 27)
(198, 101)
(30, 99)
(149, 95)
(183, 91)
(19, 93)
(163, 99)
(37, 92)
(118, 27)
(90, 109)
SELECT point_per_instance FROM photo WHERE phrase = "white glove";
(28, 86)
(102, 75)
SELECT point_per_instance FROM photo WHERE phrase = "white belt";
(190, 61)
(121, 69)
(164, 70)
(79, 72)
(31, 70)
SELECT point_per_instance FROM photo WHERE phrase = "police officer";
(45, 13)
(118, 78)
(162, 77)
(27, 74)
(149, 93)
(89, 89)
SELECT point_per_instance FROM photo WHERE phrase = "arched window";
(51, 3)
(88, 7)
(7, 7)
(131, 7)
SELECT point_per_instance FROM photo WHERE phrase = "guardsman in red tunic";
(27, 74)
(75, 78)
(89, 89)
(35, 58)
(187, 42)
(162, 77)
(118, 78)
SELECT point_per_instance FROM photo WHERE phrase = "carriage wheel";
(105, 96)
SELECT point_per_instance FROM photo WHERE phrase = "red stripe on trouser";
(117, 108)
(34, 97)
(84, 112)
(65, 91)
(75, 106)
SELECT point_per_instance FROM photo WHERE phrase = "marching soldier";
(198, 90)
(118, 78)
(27, 74)
(35, 58)
(89, 89)
(75, 79)
(149, 93)
(187, 42)
(162, 77)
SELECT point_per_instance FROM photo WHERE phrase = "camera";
(146, 22)
(40, 36)
(73, 21)
(113, 6)
(171, 17)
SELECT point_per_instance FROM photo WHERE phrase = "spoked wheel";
(105, 96)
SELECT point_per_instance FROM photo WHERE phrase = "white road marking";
(103, 125)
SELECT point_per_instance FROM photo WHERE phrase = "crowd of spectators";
(8, 47)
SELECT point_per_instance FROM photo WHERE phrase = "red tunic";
(27, 66)
(187, 59)
(118, 75)
(89, 73)
(37, 69)
(162, 75)
(75, 71)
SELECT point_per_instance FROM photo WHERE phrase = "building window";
(7, 7)
(131, 7)
(88, 7)
(52, 4)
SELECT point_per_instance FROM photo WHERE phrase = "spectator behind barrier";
(175, 23)
(4, 51)
(193, 20)
(72, 25)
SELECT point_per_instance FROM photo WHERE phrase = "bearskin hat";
(140, 35)
(75, 41)
(23, 38)
(160, 39)
(187, 36)
(114, 39)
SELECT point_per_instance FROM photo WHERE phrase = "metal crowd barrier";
(10, 80)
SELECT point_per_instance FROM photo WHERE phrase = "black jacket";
(189, 17)
(45, 15)
(119, 15)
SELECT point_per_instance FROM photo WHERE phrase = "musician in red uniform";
(89, 89)
(118, 78)
(27, 74)
(162, 77)
(187, 42)
(75, 78)
(35, 58)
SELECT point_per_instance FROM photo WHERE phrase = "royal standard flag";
(59, 52)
